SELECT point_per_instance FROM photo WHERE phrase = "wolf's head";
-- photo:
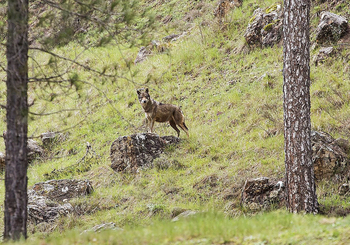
(143, 96)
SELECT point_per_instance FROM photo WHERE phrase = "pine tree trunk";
(300, 183)
(17, 121)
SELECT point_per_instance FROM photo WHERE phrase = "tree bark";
(17, 121)
(300, 182)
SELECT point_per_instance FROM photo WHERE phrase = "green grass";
(231, 96)
(213, 228)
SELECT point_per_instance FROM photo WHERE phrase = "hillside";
(231, 95)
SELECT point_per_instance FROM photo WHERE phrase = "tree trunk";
(17, 121)
(300, 183)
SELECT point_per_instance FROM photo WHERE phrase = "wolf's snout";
(144, 101)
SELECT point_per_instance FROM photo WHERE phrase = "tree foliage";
(54, 24)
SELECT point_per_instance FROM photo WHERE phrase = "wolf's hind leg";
(173, 125)
(184, 128)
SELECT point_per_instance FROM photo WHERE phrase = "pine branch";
(88, 68)
(52, 113)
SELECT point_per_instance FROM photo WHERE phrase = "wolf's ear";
(138, 91)
(146, 90)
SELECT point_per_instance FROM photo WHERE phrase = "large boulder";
(265, 27)
(130, 153)
(331, 28)
(34, 150)
(65, 189)
(260, 194)
(49, 200)
(330, 157)
(41, 209)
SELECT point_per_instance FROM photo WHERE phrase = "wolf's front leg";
(151, 124)
(148, 125)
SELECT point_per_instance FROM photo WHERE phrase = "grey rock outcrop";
(130, 153)
(41, 209)
(65, 189)
(265, 27)
(331, 28)
(145, 51)
(142, 55)
(329, 157)
(171, 37)
(49, 200)
(49, 138)
(260, 194)
(34, 150)
(323, 54)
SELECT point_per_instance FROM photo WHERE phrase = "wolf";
(159, 112)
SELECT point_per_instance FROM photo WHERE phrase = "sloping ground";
(209, 228)
(231, 95)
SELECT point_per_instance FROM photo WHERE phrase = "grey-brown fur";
(159, 112)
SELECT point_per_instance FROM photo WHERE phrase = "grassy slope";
(233, 106)
(209, 228)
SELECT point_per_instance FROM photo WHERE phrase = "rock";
(331, 28)
(184, 214)
(160, 47)
(271, 33)
(34, 150)
(41, 209)
(171, 37)
(176, 211)
(50, 138)
(265, 27)
(260, 194)
(102, 227)
(323, 54)
(142, 55)
(329, 157)
(48, 200)
(344, 189)
(2, 162)
(157, 46)
(65, 189)
(223, 7)
(130, 153)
